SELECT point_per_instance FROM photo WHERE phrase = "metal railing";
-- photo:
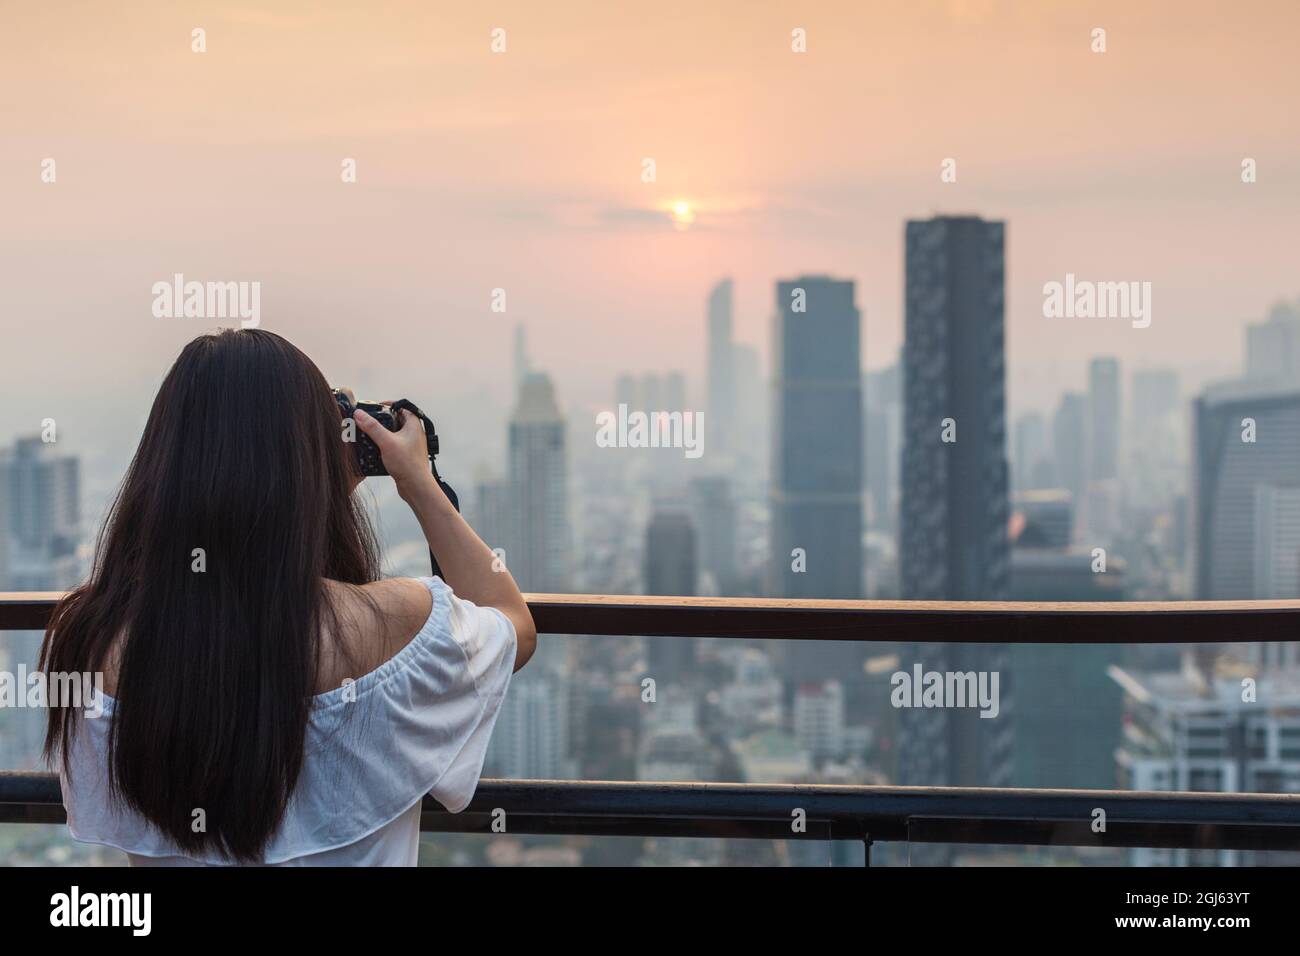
(1224, 821)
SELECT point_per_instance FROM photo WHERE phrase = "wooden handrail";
(962, 622)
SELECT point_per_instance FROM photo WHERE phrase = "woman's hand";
(405, 452)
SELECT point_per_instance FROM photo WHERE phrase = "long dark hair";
(243, 458)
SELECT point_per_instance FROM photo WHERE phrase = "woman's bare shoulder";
(372, 623)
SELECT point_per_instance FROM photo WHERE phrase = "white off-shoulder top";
(418, 724)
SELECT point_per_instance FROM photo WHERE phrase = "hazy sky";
(522, 170)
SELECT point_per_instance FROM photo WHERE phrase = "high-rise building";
(670, 568)
(531, 738)
(652, 392)
(750, 435)
(816, 481)
(1273, 346)
(1030, 453)
(1246, 437)
(538, 544)
(722, 380)
(670, 554)
(1156, 452)
(1099, 507)
(1070, 444)
(817, 457)
(1191, 730)
(1277, 541)
(43, 488)
(1063, 693)
(1103, 419)
(713, 512)
(955, 505)
(490, 512)
(1277, 560)
(955, 509)
(884, 425)
(819, 719)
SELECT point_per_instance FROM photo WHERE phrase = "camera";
(369, 461)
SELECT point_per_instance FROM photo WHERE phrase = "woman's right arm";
(467, 564)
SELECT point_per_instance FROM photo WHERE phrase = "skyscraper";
(817, 458)
(1277, 559)
(1062, 693)
(750, 435)
(521, 364)
(43, 492)
(1273, 346)
(713, 511)
(721, 360)
(955, 506)
(816, 481)
(1103, 419)
(1070, 445)
(953, 541)
(1030, 452)
(670, 568)
(1277, 541)
(538, 544)
(671, 565)
(1246, 437)
(884, 422)
(1157, 427)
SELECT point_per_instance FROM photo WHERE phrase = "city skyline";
(460, 192)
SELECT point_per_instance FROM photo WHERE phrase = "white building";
(819, 719)
(1188, 731)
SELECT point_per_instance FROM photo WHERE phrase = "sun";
(682, 213)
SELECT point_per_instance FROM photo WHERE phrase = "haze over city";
(522, 171)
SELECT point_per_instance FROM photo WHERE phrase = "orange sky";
(522, 170)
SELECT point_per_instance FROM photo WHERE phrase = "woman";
(267, 698)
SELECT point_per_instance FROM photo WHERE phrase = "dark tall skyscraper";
(817, 461)
(955, 508)
(671, 565)
(671, 568)
(817, 487)
(954, 486)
